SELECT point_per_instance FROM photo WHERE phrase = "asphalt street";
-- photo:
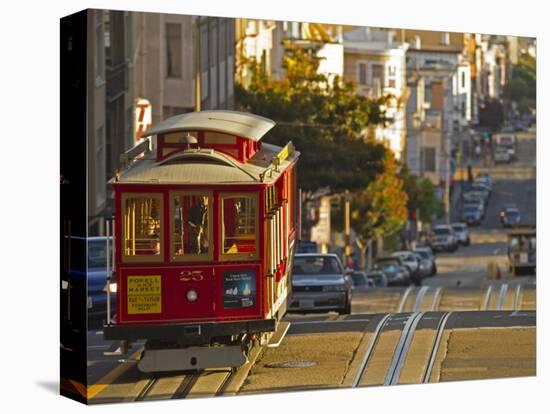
(426, 324)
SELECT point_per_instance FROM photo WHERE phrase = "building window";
(362, 73)
(142, 227)
(463, 79)
(392, 76)
(239, 226)
(428, 92)
(173, 50)
(191, 236)
(378, 74)
(429, 159)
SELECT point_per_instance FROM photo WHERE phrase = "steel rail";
(372, 343)
(517, 297)
(185, 386)
(502, 296)
(437, 294)
(435, 346)
(487, 298)
(146, 389)
(402, 348)
(420, 298)
(404, 299)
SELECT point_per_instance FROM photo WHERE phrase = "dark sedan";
(395, 270)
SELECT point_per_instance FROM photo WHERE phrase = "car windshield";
(316, 265)
(388, 266)
(358, 279)
(512, 213)
(377, 278)
(442, 231)
(459, 227)
(470, 209)
(423, 254)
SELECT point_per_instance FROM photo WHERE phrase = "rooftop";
(241, 124)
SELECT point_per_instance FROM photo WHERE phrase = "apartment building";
(165, 58)
(375, 61)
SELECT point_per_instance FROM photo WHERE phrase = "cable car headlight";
(111, 286)
(192, 295)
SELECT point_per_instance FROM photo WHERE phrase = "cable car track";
(435, 347)
(401, 347)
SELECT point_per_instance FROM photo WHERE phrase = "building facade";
(166, 50)
(375, 61)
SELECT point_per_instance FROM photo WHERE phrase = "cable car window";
(191, 236)
(142, 238)
(239, 226)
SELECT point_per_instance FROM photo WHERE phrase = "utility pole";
(197, 64)
(347, 249)
(447, 161)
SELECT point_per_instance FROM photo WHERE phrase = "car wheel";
(347, 308)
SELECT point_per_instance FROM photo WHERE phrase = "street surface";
(459, 325)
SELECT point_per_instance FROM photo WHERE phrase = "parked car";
(427, 254)
(519, 126)
(482, 190)
(443, 238)
(394, 269)
(360, 282)
(484, 180)
(502, 155)
(96, 276)
(472, 214)
(378, 278)
(475, 196)
(503, 209)
(462, 233)
(320, 283)
(412, 261)
(483, 184)
(511, 217)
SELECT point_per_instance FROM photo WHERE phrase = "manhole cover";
(291, 364)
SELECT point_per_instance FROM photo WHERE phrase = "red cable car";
(205, 226)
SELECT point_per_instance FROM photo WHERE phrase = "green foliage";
(522, 87)
(323, 117)
(381, 208)
(421, 194)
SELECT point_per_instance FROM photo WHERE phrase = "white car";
(444, 238)
(502, 155)
(462, 233)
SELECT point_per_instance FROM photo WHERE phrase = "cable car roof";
(206, 166)
(241, 124)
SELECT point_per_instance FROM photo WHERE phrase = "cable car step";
(192, 358)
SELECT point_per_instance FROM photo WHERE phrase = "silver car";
(462, 233)
(443, 238)
(319, 282)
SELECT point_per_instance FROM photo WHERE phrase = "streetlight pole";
(347, 247)
(197, 64)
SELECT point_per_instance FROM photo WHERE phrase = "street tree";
(421, 194)
(325, 119)
(381, 208)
